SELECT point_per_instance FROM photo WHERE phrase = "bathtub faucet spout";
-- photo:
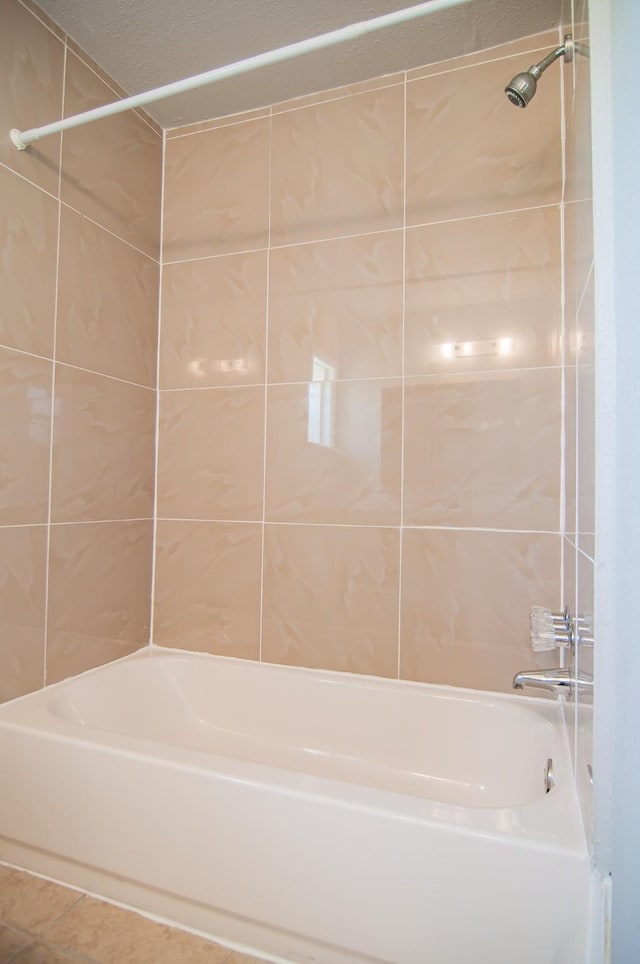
(556, 680)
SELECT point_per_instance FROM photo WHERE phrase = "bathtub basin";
(305, 815)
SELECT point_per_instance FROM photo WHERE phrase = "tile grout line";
(54, 920)
(108, 231)
(117, 94)
(566, 320)
(411, 379)
(156, 454)
(64, 41)
(53, 388)
(563, 351)
(79, 368)
(480, 63)
(503, 212)
(113, 378)
(402, 365)
(583, 293)
(44, 24)
(266, 384)
(219, 122)
(287, 110)
(86, 217)
(585, 554)
(100, 522)
(28, 180)
(82, 522)
(217, 127)
(576, 419)
(337, 525)
(81, 57)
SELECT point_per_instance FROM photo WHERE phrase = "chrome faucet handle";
(549, 630)
(583, 631)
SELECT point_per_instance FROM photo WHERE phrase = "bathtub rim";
(153, 651)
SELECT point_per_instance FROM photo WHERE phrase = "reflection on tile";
(483, 450)
(99, 594)
(113, 935)
(102, 448)
(216, 192)
(30, 902)
(465, 604)
(111, 168)
(490, 286)
(107, 303)
(207, 592)
(213, 321)
(211, 454)
(25, 438)
(497, 158)
(337, 168)
(331, 598)
(23, 564)
(334, 452)
(340, 301)
(28, 240)
(31, 68)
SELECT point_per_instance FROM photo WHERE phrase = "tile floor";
(46, 923)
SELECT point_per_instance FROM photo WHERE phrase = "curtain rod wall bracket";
(16, 139)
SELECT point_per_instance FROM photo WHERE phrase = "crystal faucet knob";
(549, 630)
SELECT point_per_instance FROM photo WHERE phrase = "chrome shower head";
(522, 88)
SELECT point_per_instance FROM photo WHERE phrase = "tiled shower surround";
(79, 232)
(360, 374)
(338, 484)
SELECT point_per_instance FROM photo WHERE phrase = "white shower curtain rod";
(22, 139)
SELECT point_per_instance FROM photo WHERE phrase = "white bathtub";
(310, 816)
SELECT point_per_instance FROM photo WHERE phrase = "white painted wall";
(615, 79)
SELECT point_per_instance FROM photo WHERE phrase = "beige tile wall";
(369, 228)
(366, 227)
(78, 322)
(579, 541)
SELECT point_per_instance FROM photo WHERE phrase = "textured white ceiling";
(147, 43)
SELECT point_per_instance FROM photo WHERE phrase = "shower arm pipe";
(568, 50)
(22, 139)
